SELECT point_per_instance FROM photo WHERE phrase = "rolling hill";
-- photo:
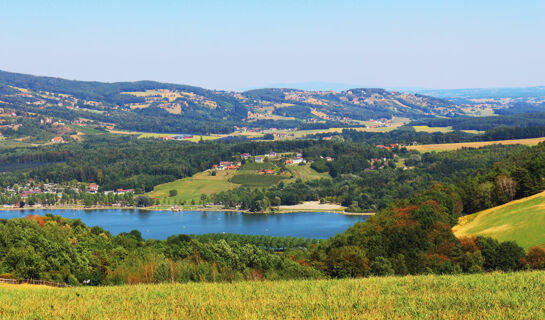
(164, 107)
(521, 220)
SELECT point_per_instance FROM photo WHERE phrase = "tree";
(173, 193)
(510, 255)
(143, 201)
(204, 197)
(381, 267)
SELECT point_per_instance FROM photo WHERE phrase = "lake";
(162, 224)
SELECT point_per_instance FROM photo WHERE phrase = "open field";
(521, 220)
(8, 144)
(191, 188)
(306, 173)
(478, 296)
(441, 129)
(432, 129)
(456, 146)
(253, 180)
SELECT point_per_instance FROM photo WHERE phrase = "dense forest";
(487, 123)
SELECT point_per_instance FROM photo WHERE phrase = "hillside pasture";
(306, 173)
(479, 296)
(191, 188)
(521, 220)
(456, 146)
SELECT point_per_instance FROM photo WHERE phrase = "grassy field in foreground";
(521, 220)
(480, 296)
(456, 146)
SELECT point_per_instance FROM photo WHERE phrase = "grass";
(191, 188)
(257, 166)
(479, 296)
(10, 144)
(87, 130)
(521, 220)
(307, 173)
(141, 135)
(432, 129)
(203, 182)
(456, 146)
(256, 180)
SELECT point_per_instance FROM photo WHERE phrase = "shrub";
(381, 267)
(535, 258)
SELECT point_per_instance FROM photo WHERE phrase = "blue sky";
(243, 43)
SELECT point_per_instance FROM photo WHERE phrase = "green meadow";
(521, 220)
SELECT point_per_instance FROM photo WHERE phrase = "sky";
(221, 44)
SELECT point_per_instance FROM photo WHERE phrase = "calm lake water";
(162, 224)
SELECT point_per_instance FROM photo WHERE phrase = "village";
(39, 195)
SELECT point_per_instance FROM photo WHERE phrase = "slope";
(521, 220)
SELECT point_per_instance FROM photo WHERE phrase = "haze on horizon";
(246, 44)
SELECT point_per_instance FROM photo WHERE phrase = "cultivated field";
(432, 129)
(456, 146)
(479, 296)
(441, 129)
(521, 220)
(253, 180)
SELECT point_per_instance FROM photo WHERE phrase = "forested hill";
(165, 107)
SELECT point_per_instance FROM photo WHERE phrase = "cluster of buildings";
(93, 188)
(227, 165)
(295, 160)
(178, 137)
(387, 147)
(119, 191)
(270, 155)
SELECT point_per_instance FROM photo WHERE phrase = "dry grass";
(481, 296)
(456, 146)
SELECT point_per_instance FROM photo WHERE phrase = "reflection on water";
(162, 224)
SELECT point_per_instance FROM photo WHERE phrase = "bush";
(381, 267)
(535, 258)
(510, 255)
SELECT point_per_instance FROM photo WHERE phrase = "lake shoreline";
(198, 209)
(161, 224)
